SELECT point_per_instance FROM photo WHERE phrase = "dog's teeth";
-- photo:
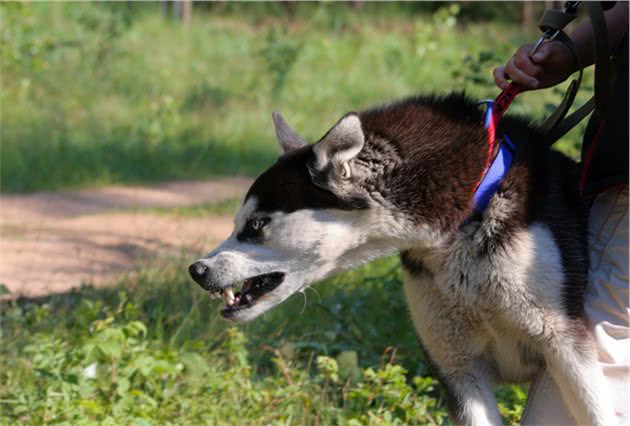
(228, 296)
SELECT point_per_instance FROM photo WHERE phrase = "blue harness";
(502, 162)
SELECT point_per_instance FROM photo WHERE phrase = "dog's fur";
(493, 298)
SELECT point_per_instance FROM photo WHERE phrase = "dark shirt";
(605, 145)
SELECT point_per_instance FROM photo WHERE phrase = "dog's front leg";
(471, 400)
(446, 331)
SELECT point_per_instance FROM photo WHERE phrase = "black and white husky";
(496, 297)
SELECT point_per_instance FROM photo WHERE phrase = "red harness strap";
(500, 105)
(503, 101)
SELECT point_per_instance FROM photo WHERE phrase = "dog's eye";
(258, 224)
(251, 232)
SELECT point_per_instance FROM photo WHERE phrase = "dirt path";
(53, 241)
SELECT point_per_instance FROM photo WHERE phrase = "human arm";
(553, 62)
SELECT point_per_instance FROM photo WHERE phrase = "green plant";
(279, 54)
(154, 350)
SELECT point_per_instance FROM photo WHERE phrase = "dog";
(494, 297)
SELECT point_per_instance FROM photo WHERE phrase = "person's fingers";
(522, 69)
(542, 54)
(519, 76)
(500, 78)
(523, 62)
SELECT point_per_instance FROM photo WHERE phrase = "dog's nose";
(199, 272)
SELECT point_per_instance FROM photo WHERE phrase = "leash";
(557, 124)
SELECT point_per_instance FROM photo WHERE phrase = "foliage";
(97, 93)
(228, 206)
(153, 350)
(279, 54)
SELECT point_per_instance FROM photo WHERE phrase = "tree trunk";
(182, 11)
(186, 12)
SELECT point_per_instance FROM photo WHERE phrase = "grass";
(224, 207)
(94, 94)
(155, 350)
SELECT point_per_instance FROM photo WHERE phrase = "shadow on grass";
(363, 311)
(68, 164)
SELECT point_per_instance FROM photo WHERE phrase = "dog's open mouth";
(251, 290)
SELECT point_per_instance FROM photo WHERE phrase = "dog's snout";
(199, 272)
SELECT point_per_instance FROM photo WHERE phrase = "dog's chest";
(512, 280)
(510, 355)
(451, 331)
(493, 305)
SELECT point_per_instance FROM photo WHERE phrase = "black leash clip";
(550, 34)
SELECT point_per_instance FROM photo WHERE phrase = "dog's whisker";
(305, 301)
(316, 292)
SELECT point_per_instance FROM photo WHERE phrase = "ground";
(53, 241)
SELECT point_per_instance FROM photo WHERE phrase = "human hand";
(551, 64)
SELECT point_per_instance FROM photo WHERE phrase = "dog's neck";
(426, 159)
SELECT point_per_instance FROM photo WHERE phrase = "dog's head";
(310, 215)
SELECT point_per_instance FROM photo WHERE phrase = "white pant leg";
(608, 310)
(607, 306)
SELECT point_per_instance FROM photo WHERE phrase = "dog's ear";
(341, 144)
(288, 138)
